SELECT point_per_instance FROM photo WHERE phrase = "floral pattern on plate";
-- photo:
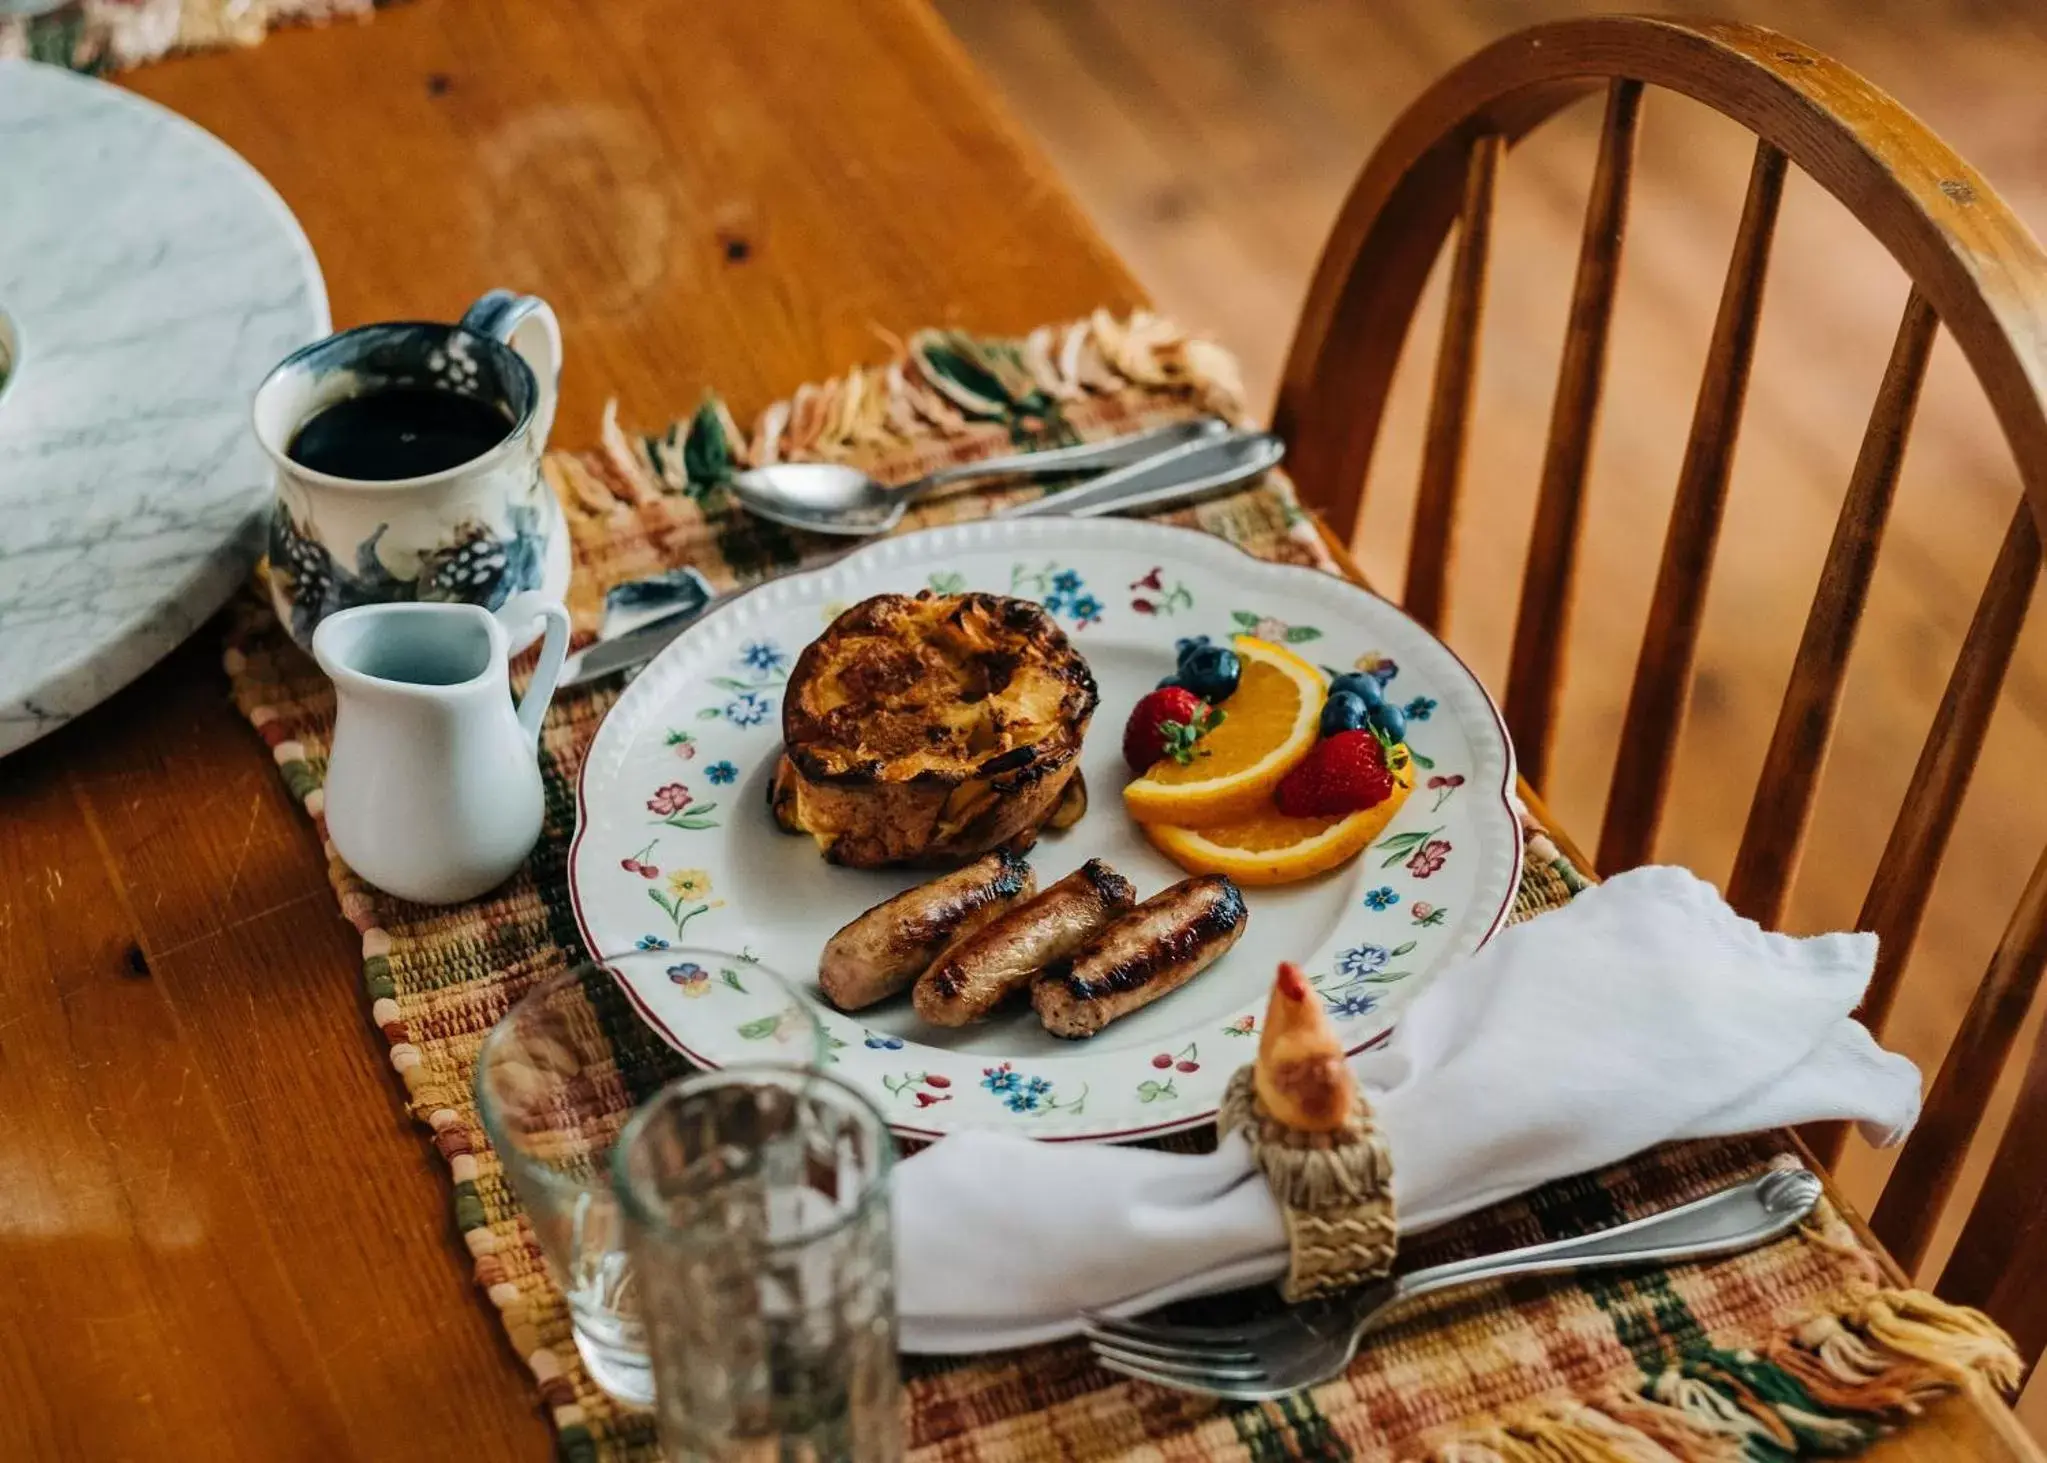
(1062, 591)
(724, 876)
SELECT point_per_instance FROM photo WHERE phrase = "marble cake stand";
(152, 278)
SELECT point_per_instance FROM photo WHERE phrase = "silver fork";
(1310, 1343)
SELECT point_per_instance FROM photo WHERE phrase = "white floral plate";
(674, 843)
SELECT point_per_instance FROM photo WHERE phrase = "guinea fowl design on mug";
(408, 465)
(475, 567)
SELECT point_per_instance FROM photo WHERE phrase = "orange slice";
(1268, 847)
(1267, 726)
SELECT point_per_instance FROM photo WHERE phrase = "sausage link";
(885, 949)
(979, 972)
(1152, 951)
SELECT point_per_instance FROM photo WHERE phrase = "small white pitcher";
(433, 783)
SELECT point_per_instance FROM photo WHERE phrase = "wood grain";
(222, 1244)
(1781, 809)
(1926, 1172)
(1435, 513)
(1670, 643)
(1535, 671)
(1972, 264)
(223, 1236)
(1214, 144)
(1912, 855)
(2011, 1213)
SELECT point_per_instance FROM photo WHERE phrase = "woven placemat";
(100, 36)
(1794, 1350)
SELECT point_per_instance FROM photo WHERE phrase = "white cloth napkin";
(1646, 1010)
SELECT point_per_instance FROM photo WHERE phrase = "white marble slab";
(153, 278)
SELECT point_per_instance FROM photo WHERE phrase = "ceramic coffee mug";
(477, 532)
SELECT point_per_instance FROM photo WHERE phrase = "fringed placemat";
(1792, 1351)
(99, 36)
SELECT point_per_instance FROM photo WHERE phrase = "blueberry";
(1360, 685)
(1390, 720)
(1172, 682)
(1188, 643)
(1211, 671)
(1344, 711)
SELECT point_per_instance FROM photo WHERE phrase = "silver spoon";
(829, 497)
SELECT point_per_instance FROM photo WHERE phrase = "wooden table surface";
(220, 1234)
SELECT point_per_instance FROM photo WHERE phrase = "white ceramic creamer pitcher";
(433, 782)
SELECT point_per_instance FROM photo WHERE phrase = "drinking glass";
(557, 1079)
(756, 1201)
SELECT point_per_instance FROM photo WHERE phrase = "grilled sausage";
(979, 972)
(885, 949)
(1153, 950)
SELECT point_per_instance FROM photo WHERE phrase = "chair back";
(1974, 268)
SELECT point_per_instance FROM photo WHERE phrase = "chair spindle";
(1536, 670)
(1781, 808)
(1435, 514)
(1641, 780)
(1987, 1269)
(1897, 896)
(1918, 1187)
(1896, 902)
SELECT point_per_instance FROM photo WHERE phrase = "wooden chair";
(1974, 268)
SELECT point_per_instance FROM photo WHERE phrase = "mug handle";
(528, 325)
(521, 610)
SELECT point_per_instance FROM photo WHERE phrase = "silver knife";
(1194, 471)
(1179, 475)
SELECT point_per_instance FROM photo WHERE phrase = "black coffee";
(402, 432)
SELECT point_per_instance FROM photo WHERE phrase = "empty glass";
(757, 1212)
(557, 1079)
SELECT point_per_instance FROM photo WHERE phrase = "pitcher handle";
(522, 610)
(528, 325)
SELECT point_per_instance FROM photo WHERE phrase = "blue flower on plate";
(1381, 898)
(1066, 581)
(1352, 1003)
(1362, 960)
(1419, 708)
(721, 772)
(652, 942)
(1086, 610)
(881, 1041)
(1001, 1079)
(1025, 1098)
(748, 708)
(763, 656)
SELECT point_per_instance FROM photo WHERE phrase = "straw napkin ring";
(1313, 1138)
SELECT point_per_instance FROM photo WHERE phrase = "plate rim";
(1505, 794)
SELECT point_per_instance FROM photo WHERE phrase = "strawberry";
(1167, 723)
(1345, 773)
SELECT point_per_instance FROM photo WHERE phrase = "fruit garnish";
(1365, 687)
(1272, 722)
(1344, 711)
(1389, 721)
(1300, 1075)
(1165, 725)
(1212, 671)
(1346, 773)
(1267, 847)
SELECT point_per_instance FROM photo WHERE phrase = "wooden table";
(220, 1235)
